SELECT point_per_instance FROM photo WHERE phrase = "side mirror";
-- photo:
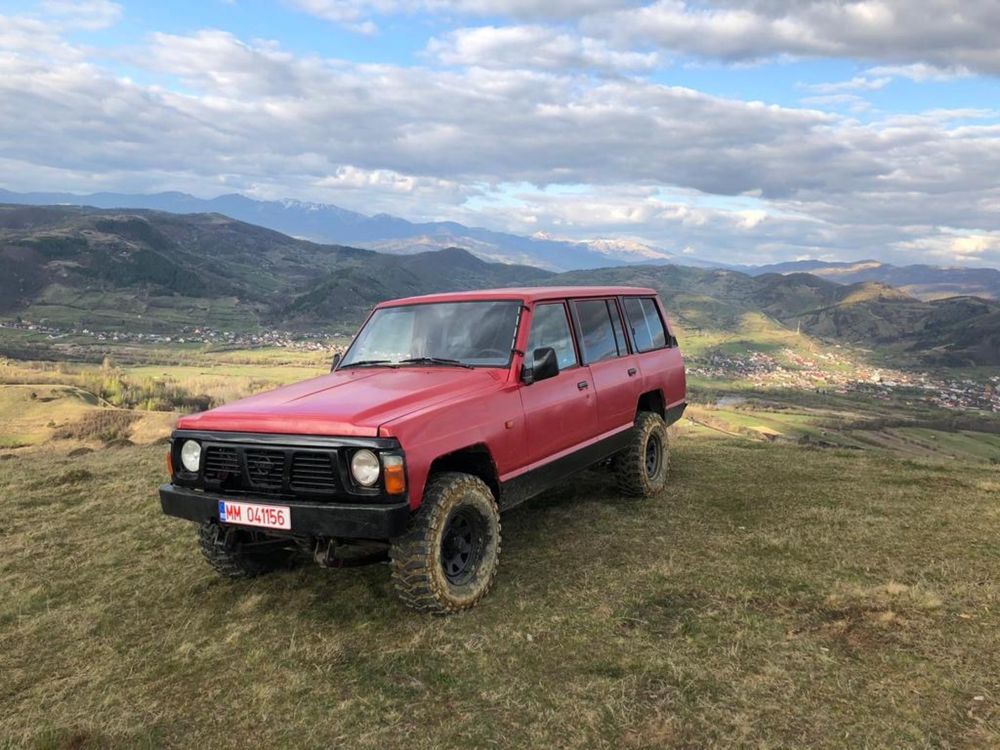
(545, 366)
(336, 361)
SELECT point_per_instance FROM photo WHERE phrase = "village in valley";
(302, 340)
(832, 371)
(837, 373)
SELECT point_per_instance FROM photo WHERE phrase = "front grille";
(221, 463)
(313, 471)
(265, 468)
(272, 471)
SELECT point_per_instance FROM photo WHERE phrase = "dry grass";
(32, 415)
(775, 597)
(104, 425)
(161, 387)
(29, 413)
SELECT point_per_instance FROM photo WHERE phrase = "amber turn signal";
(170, 464)
(393, 475)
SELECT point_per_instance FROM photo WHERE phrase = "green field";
(775, 596)
(842, 421)
(113, 311)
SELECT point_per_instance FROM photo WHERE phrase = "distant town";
(837, 374)
(829, 371)
(195, 335)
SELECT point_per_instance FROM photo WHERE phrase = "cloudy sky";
(742, 130)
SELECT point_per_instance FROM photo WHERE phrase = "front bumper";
(348, 521)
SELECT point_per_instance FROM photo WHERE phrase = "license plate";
(251, 514)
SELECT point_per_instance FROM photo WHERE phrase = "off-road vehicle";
(444, 411)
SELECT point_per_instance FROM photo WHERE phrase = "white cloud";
(89, 15)
(534, 47)
(920, 72)
(945, 34)
(254, 117)
(853, 102)
(356, 14)
(957, 246)
(531, 9)
(350, 11)
(858, 83)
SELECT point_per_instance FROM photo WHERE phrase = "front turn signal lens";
(170, 464)
(393, 475)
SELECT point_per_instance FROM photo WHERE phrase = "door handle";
(583, 385)
(632, 371)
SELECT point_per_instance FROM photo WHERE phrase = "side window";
(655, 323)
(646, 324)
(550, 327)
(616, 324)
(597, 335)
(637, 322)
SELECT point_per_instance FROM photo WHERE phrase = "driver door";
(560, 412)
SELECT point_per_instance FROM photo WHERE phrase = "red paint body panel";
(433, 411)
(347, 402)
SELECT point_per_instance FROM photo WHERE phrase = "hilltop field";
(776, 595)
(820, 572)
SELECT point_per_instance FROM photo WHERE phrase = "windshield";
(466, 333)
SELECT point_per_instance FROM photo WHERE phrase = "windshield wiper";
(369, 363)
(434, 361)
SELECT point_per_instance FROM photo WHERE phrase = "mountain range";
(921, 281)
(328, 224)
(148, 270)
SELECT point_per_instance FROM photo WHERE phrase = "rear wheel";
(641, 469)
(238, 553)
(447, 559)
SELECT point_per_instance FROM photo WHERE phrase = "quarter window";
(647, 327)
(597, 334)
(550, 327)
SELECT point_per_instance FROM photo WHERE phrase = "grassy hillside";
(921, 281)
(143, 270)
(148, 270)
(766, 597)
(954, 332)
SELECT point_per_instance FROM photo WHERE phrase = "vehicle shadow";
(363, 594)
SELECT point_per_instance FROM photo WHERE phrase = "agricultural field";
(43, 401)
(775, 596)
(821, 420)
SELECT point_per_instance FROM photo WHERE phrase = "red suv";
(444, 411)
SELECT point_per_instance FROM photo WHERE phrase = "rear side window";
(597, 333)
(647, 327)
(550, 327)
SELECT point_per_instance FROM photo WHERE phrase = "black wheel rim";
(462, 545)
(654, 455)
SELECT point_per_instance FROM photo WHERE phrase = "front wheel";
(237, 553)
(641, 469)
(447, 559)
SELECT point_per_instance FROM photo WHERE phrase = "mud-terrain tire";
(641, 468)
(225, 550)
(447, 559)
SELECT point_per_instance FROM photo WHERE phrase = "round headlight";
(191, 455)
(365, 467)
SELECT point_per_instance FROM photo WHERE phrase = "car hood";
(352, 402)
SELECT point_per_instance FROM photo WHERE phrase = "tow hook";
(332, 553)
(324, 553)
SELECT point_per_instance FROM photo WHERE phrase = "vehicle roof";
(524, 293)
